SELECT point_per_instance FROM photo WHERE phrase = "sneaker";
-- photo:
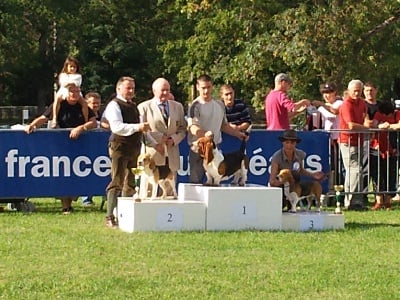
(87, 203)
(396, 198)
(110, 222)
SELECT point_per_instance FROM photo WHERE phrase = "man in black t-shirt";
(69, 116)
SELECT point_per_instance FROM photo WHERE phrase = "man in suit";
(166, 118)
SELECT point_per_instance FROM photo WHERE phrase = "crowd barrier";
(47, 163)
(383, 169)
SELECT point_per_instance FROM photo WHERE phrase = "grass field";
(46, 255)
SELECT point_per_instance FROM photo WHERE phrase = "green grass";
(46, 255)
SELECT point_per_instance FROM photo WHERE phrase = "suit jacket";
(176, 129)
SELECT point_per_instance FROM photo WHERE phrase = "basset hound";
(296, 191)
(157, 176)
(222, 166)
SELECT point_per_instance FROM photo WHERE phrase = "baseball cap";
(328, 87)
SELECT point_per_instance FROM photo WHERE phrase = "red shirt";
(277, 108)
(351, 111)
(380, 140)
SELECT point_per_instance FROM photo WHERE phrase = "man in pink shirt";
(279, 108)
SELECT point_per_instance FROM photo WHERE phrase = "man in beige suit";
(166, 118)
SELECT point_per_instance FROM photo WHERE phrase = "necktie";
(164, 112)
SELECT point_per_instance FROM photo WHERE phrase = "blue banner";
(47, 163)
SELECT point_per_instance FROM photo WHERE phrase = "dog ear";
(201, 147)
(152, 164)
(208, 153)
(222, 168)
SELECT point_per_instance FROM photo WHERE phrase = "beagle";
(222, 166)
(296, 191)
(157, 176)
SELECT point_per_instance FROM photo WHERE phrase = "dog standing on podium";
(222, 166)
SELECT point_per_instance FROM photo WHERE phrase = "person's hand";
(242, 135)
(319, 175)
(384, 125)
(160, 148)
(164, 138)
(144, 127)
(76, 132)
(29, 129)
(233, 126)
(305, 102)
(316, 103)
(301, 109)
(170, 142)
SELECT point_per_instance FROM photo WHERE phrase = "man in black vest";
(124, 144)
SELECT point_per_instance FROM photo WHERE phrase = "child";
(69, 74)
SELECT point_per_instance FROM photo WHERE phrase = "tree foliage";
(245, 43)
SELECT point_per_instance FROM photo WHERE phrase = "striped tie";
(164, 112)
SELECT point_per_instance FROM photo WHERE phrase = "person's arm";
(77, 131)
(243, 126)
(347, 117)
(233, 131)
(117, 126)
(396, 126)
(193, 125)
(273, 181)
(180, 134)
(39, 121)
(301, 105)
(318, 175)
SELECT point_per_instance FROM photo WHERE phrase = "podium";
(222, 208)
(312, 221)
(236, 207)
(160, 215)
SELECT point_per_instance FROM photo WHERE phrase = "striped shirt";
(238, 113)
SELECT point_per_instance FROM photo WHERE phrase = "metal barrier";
(376, 167)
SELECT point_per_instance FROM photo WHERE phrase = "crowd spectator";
(279, 108)
(353, 117)
(69, 74)
(329, 110)
(237, 112)
(70, 115)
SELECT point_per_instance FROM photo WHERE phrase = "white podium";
(236, 207)
(160, 215)
(312, 221)
(222, 208)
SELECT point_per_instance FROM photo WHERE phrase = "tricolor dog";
(296, 191)
(222, 166)
(157, 176)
